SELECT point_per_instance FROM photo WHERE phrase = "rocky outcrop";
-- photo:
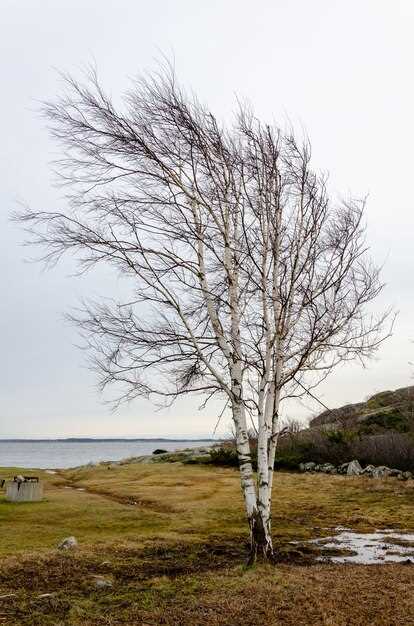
(337, 416)
(397, 402)
(199, 454)
(187, 455)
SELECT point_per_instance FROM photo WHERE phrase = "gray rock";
(354, 468)
(395, 472)
(407, 475)
(342, 469)
(99, 582)
(68, 543)
(326, 468)
(309, 467)
(368, 470)
(381, 472)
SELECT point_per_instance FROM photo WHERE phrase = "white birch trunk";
(245, 461)
(273, 445)
(264, 498)
(257, 516)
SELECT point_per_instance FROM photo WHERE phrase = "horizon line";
(43, 439)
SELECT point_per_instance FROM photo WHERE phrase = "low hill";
(385, 410)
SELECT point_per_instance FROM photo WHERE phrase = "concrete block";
(24, 491)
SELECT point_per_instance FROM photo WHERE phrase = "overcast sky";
(341, 70)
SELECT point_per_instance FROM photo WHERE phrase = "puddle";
(381, 546)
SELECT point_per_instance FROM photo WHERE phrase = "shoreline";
(186, 452)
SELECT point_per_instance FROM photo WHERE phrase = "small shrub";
(224, 455)
(340, 437)
(288, 461)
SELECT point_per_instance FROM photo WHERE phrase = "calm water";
(60, 454)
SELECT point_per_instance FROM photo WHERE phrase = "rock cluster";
(354, 468)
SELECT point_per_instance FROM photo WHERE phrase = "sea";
(64, 453)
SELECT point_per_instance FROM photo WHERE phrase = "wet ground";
(380, 546)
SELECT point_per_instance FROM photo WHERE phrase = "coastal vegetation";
(171, 540)
(379, 431)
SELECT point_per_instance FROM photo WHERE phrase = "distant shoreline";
(104, 439)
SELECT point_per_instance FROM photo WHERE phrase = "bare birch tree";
(248, 279)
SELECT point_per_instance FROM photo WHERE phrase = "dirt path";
(127, 500)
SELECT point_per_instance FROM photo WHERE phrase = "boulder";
(326, 468)
(342, 469)
(68, 543)
(354, 468)
(395, 472)
(381, 472)
(367, 471)
(407, 475)
(99, 582)
(309, 467)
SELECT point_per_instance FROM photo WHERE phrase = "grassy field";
(172, 539)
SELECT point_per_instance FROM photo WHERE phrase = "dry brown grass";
(297, 596)
(177, 555)
(206, 594)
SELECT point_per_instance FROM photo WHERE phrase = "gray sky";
(341, 70)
